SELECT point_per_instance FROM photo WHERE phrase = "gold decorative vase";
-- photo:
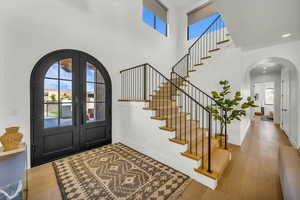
(11, 139)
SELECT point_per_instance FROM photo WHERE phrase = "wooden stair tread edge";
(213, 50)
(206, 57)
(128, 100)
(193, 70)
(213, 140)
(161, 107)
(181, 142)
(199, 64)
(167, 129)
(191, 155)
(164, 96)
(162, 100)
(158, 118)
(177, 84)
(204, 172)
(223, 41)
(193, 130)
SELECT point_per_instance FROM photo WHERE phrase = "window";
(200, 19)
(58, 94)
(95, 90)
(269, 96)
(155, 15)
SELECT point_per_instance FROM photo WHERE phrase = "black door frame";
(33, 100)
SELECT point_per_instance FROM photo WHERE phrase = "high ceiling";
(260, 23)
(266, 66)
(264, 69)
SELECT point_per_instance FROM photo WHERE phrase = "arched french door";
(70, 105)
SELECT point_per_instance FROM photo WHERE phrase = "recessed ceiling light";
(286, 35)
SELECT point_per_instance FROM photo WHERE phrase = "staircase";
(182, 105)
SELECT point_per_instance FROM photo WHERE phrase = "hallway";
(253, 171)
(252, 174)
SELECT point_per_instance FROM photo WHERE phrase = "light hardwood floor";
(252, 174)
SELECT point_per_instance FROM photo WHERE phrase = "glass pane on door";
(50, 115)
(58, 94)
(95, 112)
(95, 94)
(65, 114)
(65, 71)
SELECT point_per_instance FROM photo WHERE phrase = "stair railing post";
(187, 64)
(145, 82)
(209, 142)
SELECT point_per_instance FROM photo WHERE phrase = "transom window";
(201, 18)
(155, 15)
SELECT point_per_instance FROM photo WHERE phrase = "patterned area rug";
(117, 172)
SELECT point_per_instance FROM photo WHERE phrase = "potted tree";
(228, 107)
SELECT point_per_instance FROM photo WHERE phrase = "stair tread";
(193, 70)
(168, 117)
(219, 160)
(177, 84)
(199, 64)
(191, 155)
(132, 100)
(213, 50)
(167, 129)
(163, 95)
(162, 108)
(223, 41)
(206, 57)
(158, 118)
(177, 141)
(159, 100)
(193, 130)
(183, 124)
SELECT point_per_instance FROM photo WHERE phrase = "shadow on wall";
(293, 94)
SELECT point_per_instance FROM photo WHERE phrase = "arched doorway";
(70, 105)
(288, 93)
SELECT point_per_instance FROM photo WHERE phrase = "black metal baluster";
(196, 136)
(225, 129)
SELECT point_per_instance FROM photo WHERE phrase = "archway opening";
(274, 84)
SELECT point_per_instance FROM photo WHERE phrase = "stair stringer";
(143, 134)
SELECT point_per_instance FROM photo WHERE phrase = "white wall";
(110, 30)
(265, 79)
